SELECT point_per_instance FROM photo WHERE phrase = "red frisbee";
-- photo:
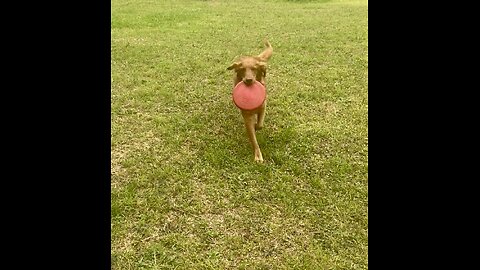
(249, 97)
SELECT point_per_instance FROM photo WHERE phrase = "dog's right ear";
(234, 65)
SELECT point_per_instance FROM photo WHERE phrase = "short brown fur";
(250, 69)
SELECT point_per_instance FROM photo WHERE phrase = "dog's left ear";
(263, 67)
(234, 65)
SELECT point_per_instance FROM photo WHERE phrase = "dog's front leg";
(249, 119)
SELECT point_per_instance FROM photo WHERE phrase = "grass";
(185, 192)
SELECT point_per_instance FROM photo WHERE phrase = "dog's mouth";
(248, 81)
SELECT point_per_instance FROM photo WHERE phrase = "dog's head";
(249, 69)
(252, 68)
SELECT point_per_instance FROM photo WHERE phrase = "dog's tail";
(267, 53)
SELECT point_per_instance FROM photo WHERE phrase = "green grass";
(185, 191)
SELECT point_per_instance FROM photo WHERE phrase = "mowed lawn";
(185, 191)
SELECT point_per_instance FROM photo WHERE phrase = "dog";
(250, 69)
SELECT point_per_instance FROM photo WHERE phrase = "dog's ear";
(262, 66)
(234, 65)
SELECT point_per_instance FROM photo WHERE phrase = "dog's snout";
(248, 81)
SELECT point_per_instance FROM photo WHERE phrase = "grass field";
(185, 191)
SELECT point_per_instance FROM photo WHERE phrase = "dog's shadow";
(227, 141)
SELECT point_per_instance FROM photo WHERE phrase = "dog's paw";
(258, 127)
(259, 158)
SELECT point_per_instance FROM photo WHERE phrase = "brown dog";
(250, 69)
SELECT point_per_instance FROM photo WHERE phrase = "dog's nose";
(248, 81)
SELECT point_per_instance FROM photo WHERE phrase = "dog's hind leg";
(261, 116)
